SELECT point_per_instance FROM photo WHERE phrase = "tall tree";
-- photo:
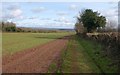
(91, 20)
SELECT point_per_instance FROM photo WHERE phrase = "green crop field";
(14, 42)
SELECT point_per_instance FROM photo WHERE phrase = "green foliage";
(94, 50)
(10, 29)
(79, 28)
(8, 26)
(91, 20)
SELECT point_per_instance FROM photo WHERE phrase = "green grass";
(52, 67)
(14, 42)
(93, 49)
(77, 60)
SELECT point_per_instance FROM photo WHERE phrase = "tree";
(79, 28)
(8, 26)
(91, 20)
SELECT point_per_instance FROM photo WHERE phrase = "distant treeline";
(11, 27)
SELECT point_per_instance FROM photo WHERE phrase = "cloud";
(7, 16)
(73, 7)
(111, 16)
(115, 7)
(110, 12)
(112, 2)
(32, 17)
(13, 7)
(16, 13)
(64, 22)
(60, 25)
(45, 19)
(38, 10)
(62, 13)
(62, 19)
(11, 12)
(10, 20)
(61, 22)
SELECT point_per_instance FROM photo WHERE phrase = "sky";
(53, 14)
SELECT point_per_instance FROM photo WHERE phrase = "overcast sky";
(53, 14)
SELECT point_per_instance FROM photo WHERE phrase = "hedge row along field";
(111, 46)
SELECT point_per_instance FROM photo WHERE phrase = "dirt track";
(34, 60)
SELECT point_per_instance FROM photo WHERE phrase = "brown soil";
(34, 60)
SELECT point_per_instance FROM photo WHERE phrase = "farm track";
(34, 60)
